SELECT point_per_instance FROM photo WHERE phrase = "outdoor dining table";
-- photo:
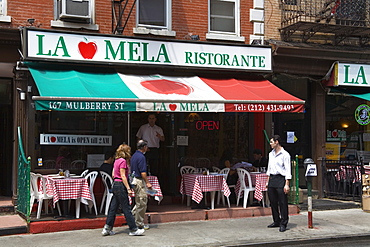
(259, 181)
(72, 188)
(194, 184)
(158, 196)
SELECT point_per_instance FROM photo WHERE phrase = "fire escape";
(340, 21)
(121, 12)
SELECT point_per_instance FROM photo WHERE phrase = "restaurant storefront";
(347, 107)
(90, 93)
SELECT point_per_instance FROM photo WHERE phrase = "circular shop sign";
(362, 114)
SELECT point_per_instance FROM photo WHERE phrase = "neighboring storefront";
(348, 112)
(89, 93)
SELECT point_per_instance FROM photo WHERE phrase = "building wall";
(272, 19)
(188, 17)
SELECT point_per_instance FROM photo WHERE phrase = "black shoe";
(273, 225)
(282, 229)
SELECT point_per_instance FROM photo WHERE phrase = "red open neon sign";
(207, 125)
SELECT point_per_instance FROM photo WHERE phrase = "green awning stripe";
(80, 84)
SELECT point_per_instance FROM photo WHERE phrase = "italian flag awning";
(106, 90)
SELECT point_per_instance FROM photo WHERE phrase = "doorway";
(6, 130)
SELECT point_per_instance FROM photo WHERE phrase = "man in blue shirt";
(141, 183)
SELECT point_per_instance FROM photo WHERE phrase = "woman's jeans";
(120, 197)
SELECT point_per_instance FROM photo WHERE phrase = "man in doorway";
(279, 172)
(153, 134)
(141, 183)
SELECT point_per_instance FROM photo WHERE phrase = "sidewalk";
(245, 231)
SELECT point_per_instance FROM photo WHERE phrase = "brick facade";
(188, 17)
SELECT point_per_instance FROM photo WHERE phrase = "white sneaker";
(145, 227)
(138, 232)
(107, 232)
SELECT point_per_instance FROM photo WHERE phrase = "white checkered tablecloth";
(194, 184)
(259, 181)
(68, 188)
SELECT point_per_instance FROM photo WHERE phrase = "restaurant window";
(347, 136)
(3, 12)
(209, 134)
(79, 136)
(74, 14)
(224, 16)
(72, 122)
(154, 14)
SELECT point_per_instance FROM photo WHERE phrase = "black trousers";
(278, 200)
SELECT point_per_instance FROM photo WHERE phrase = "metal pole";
(309, 201)
(296, 180)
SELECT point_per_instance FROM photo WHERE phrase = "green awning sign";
(85, 105)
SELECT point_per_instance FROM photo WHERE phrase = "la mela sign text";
(353, 75)
(115, 49)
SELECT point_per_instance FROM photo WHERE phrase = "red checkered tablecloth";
(194, 184)
(259, 181)
(153, 180)
(349, 173)
(68, 188)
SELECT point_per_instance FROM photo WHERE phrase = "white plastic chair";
(107, 196)
(216, 169)
(183, 170)
(225, 173)
(242, 173)
(84, 173)
(91, 177)
(40, 195)
(32, 191)
(187, 169)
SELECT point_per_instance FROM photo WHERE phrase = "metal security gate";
(342, 180)
(23, 187)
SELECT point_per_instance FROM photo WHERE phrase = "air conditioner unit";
(75, 10)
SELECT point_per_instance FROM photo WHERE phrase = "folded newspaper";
(151, 192)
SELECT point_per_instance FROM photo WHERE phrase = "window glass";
(2, 4)
(347, 127)
(74, 11)
(222, 16)
(152, 12)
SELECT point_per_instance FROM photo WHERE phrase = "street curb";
(316, 241)
(13, 230)
(69, 225)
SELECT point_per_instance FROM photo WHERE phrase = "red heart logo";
(87, 50)
(173, 107)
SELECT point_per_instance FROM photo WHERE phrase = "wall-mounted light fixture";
(31, 21)
(194, 37)
(22, 94)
